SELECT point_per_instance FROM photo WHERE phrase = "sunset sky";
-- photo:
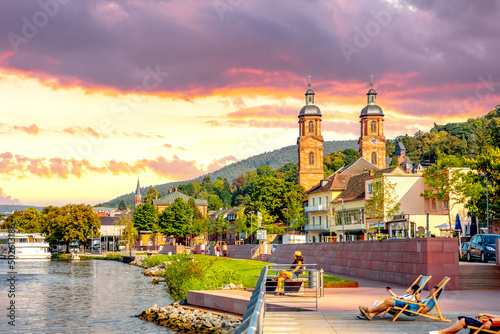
(97, 93)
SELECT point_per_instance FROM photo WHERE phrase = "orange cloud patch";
(8, 200)
(58, 168)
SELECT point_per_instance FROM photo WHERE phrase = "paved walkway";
(338, 309)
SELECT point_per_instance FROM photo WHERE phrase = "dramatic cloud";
(427, 56)
(218, 164)
(57, 168)
(6, 200)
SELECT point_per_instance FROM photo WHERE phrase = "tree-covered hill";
(274, 159)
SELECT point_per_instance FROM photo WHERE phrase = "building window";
(370, 188)
(326, 202)
(374, 126)
(433, 205)
(319, 200)
(313, 201)
(313, 220)
(311, 126)
(311, 158)
(374, 158)
(319, 221)
(326, 221)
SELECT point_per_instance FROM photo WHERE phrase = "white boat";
(24, 246)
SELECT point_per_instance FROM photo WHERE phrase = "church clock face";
(373, 141)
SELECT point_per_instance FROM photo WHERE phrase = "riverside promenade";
(337, 310)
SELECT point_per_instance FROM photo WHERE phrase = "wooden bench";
(294, 285)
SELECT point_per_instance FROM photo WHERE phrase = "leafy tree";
(122, 206)
(487, 163)
(265, 171)
(288, 172)
(28, 221)
(273, 195)
(194, 208)
(394, 161)
(350, 155)
(241, 222)
(151, 195)
(382, 203)
(146, 217)
(72, 222)
(129, 233)
(176, 219)
(446, 183)
(214, 202)
(333, 162)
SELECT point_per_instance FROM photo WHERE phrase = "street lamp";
(487, 205)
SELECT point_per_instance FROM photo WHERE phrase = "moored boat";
(24, 246)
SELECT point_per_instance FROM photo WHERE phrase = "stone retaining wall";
(174, 249)
(392, 261)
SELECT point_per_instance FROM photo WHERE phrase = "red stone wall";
(391, 261)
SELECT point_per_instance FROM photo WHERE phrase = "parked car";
(482, 246)
(464, 246)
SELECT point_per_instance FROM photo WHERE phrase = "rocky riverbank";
(184, 320)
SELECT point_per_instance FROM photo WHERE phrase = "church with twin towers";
(371, 141)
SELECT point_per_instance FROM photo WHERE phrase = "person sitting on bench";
(294, 272)
(487, 321)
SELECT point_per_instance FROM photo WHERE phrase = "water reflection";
(89, 296)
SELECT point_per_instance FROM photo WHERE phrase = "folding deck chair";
(481, 330)
(432, 301)
(421, 281)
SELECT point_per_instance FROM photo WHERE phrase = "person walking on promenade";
(224, 250)
(217, 250)
(488, 321)
(202, 249)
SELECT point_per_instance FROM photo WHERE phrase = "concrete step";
(479, 277)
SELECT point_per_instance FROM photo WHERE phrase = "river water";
(90, 296)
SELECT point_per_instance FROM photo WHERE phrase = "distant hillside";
(6, 208)
(275, 159)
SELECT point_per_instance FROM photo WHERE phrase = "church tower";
(310, 143)
(372, 140)
(138, 197)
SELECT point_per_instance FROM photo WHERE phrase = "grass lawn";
(247, 268)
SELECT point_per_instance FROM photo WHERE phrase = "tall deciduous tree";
(485, 164)
(28, 221)
(151, 195)
(129, 233)
(446, 182)
(122, 206)
(382, 203)
(72, 222)
(146, 217)
(176, 219)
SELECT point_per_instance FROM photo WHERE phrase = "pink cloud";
(8, 200)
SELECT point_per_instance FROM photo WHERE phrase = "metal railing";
(303, 295)
(253, 319)
(294, 293)
(313, 208)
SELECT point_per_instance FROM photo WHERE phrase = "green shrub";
(185, 274)
(114, 257)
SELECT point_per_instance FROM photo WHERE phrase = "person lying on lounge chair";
(369, 313)
(409, 296)
(483, 319)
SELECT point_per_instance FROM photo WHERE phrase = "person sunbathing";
(369, 313)
(409, 296)
(488, 321)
